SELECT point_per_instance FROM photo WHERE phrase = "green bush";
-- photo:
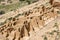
(21, 0)
(45, 38)
(2, 12)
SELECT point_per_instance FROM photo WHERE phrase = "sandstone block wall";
(24, 24)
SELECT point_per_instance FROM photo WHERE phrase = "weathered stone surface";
(28, 23)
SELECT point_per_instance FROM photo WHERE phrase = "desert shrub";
(2, 12)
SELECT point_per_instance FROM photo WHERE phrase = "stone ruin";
(23, 25)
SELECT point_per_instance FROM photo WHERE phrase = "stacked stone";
(21, 28)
